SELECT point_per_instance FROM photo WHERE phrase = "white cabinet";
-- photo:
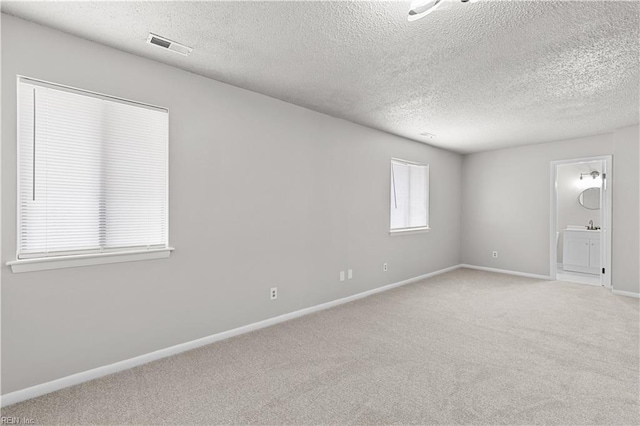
(581, 251)
(576, 251)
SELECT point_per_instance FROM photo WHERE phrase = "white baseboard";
(504, 271)
(74, 379)
(626, 293)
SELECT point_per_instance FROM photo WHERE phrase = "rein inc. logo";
(7, 420)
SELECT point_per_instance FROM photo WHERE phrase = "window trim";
(403, 231)
(76, 258)
(419, 229)
(71, 261)
(91, 93)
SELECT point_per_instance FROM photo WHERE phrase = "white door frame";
(605, 216)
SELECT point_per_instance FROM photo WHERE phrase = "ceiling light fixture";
(171, 45)
(421, 8)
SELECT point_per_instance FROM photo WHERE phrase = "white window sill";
(59, 262)
(409, 231)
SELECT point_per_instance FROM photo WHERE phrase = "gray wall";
(262, 194)
(625, 260)
(506, 199)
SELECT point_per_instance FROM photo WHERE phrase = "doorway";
(580, 225)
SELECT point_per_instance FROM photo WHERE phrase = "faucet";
(591, 227)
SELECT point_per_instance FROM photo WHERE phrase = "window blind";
(92, 172)
(409, 195)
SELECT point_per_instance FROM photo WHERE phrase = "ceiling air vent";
(165, 43)
(428, 135)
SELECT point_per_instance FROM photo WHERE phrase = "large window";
(409, 196)
(92, 173)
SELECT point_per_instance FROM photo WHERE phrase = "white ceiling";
(479, 75)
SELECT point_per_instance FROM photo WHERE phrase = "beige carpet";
(467, 347)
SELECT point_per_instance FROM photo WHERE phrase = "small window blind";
(409, 195)
(92, 172)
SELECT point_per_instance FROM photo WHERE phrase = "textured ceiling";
(479, 75)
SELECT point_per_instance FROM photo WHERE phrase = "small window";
(409, 196)
(92, 173)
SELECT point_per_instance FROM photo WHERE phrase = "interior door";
(594, 253)
(604, 248)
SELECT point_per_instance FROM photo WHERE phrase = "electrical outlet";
(274, 293)
(494, 254)
(385, 267)
(350, 273)
(341, 275)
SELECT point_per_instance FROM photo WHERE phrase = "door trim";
(605, 215)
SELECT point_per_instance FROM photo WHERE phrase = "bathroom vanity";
(581, 251)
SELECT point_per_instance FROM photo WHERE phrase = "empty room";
(320, 212)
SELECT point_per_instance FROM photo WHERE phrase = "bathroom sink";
(579, 228)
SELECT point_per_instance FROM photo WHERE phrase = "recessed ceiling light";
(171, 45)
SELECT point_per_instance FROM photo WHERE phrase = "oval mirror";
(590, 198)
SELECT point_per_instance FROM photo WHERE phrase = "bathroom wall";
(570, 212)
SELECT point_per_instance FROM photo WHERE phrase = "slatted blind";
(409, 195)
(92, 172)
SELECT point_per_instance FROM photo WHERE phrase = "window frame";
(73, 258)
(418, 229)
